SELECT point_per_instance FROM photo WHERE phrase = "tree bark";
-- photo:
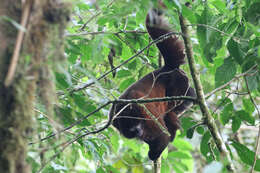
(18, 98)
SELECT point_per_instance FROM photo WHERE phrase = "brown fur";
(134, 121)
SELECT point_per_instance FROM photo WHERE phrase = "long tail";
(172, 49)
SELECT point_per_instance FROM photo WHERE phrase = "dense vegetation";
(109, 34)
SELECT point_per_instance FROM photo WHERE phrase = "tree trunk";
(46, 19)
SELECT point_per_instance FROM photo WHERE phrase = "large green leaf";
(235, 51)
(245, 116)
(204, 146)
(246, 155)
(225, 72)
(236, 122)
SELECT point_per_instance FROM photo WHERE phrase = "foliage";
(102, 35)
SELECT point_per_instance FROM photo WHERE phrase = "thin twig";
(95, 15)
(139, 101)
(258, 136)
(159, 39)
(110, 119)
(18, 44)
(157, 165)
(208, 119)
(73, 124)
(228, 83)
(106, 32)
(131, 47)
(222, 32)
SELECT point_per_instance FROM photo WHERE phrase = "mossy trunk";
(47, 19)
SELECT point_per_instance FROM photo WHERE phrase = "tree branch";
(139, 101)
(106, 32)
(18, 44)
(222, 32)
(95, 15)
(228, 83)
(258, 136)
(157, 165)
(159, 39)
(208, 119)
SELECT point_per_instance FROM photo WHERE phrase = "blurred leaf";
(235, 51)
(188, 13)
(236, 122)
(248, 105)
(190, 132)
(100, 170)
(181, 144)
(180, 155)
(165, 166)
(126, 52)
(137, 169)
(220, 6)
(200, 130)
(123, 73)
(253, 81)
(204, 147)
(115, 142)
(252, 13)
(187, 122)
(226, 114)
(245, 116)
(126, 83)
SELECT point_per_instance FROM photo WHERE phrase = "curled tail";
(172, 48)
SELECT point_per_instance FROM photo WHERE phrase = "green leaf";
(231, 27)
(253, 81)
(187, 122)
(85, 51)
(220, 6)
(236, 122)
(123, 73)
(132, 65)
(201, 30)
(245, 116)
(249, 62)
(190, 132)
(204, 147)
(100, 170)
(181, 144)
(137, 169)
(214, 44)
(126, 83)
(200, 130)
(165, 166)
(225, 72)
(188, 13)
(235, 51)
(126, 52)
(63, 81)
(180, 155)
(226, 114)
(252, 12)
(248, 105)
(246, 155)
